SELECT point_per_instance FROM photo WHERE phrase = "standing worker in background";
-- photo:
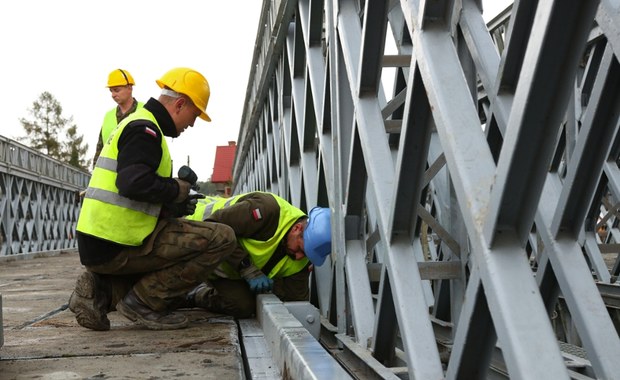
(279, 243)
(130, 225)
(120, 83)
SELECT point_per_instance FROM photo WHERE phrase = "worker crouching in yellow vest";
(103, 206)
(281, 243)
(141, 256)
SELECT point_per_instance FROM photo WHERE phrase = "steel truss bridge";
(38, 208)
(472, 172)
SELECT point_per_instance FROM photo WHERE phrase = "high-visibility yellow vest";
(109, 122)
(108, 215)
(204, 208)
(260, 251)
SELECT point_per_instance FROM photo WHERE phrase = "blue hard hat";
(318, 235)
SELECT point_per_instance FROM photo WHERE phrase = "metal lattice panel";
(38, 209)
(472, 190)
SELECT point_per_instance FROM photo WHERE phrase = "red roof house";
(222, 167)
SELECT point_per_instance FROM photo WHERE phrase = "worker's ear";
(179, 103)
(298, 227)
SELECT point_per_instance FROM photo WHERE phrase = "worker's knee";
(218, 237)
(245, 310)
(232, 297)
(241, 307)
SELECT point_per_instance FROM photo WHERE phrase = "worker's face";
(186, 113)
(295, 242)
(121, 94)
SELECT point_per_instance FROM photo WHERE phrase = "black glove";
(184, 188)
(187, 207)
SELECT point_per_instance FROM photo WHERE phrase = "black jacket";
(138, 159)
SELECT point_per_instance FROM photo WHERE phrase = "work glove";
(184, 188)
(186, 207)
(258, 282)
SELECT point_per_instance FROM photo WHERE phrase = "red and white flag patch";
(256, 214)
(150, 131)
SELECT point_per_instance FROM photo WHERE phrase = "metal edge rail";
(295, 351)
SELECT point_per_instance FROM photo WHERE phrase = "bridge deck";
(43, 340)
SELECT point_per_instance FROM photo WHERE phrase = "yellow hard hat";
(120, 77)
(190, 83)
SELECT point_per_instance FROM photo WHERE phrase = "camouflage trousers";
(179, 255)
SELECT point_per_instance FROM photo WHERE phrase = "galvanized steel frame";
(466, 200)
(38, 208)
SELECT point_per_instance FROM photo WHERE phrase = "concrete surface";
(42, 340)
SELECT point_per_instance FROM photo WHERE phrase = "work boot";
(134, 309)
(189, 301)
(90, 301)
(199, 296)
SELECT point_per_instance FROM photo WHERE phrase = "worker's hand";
(261, 284)
(184, 188)
(258, 282)
(187, 207)
(79, 197)
(191, 201)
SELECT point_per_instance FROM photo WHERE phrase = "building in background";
(222, 168)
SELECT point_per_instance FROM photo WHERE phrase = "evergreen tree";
(42, 132)
(74, 149)
(45, 130)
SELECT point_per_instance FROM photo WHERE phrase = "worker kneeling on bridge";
(278, 245)
(141, 256)
(129, 231)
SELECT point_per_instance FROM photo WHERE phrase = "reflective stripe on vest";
(118, 200)
(259, 251)
(204, 208)
(107, 163)
(108, 215)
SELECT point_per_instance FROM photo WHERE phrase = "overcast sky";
(68, 47)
